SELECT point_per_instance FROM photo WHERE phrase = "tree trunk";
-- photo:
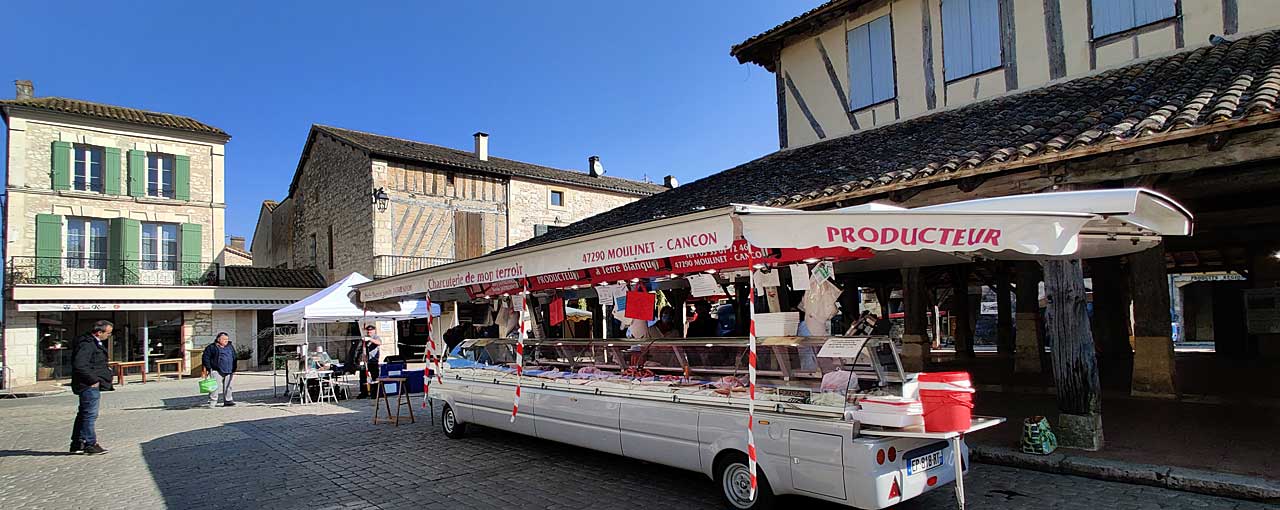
(1028, 346)
(915, 340)
(1111, 318)
(1075, 363)
(1153, 364)
(960, 311)
(1004, 311)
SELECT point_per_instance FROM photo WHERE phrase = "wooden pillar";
(1004, 311)
(1027, 345)
(915, 340)
(1111, 314)
(1153, 365)
(960, 311)
(1075, 363)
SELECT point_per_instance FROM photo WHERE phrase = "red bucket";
(948, 401)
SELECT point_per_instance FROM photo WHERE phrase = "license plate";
(924, 462)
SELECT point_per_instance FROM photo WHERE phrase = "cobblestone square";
(168, 451)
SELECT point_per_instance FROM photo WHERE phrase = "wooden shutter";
(137, 174)
(61, 165)
(984, 25)
(111, 170)
(1151, 11)
(190, 241)
(124, 251)
(881, 38)
(182, 177)
(957, 40)
(468, 235)
(859, 67)
(48, 248)
(1112, 16)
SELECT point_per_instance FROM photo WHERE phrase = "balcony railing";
(93, 271)
(390, 265)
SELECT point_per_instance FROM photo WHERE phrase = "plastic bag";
(208, 385)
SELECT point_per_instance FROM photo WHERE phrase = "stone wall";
(19, 346)
(281, 241)
(231, 258)
(531, 205)
(333, 195)
(419, 221)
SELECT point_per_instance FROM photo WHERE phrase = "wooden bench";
(123, 366)
(175, 362)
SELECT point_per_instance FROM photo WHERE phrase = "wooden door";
(468, 235)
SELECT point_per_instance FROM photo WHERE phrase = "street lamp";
(380, 197)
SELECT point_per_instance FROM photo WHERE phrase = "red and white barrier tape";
(431, 351)
(751, 367)
(515, 404)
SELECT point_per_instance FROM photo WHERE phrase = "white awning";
(334, 304)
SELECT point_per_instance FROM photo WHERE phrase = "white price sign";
(842, 347)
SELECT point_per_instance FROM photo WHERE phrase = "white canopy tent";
(335, 305)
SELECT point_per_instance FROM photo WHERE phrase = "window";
(1115, 16)
(970, 37)
(871, 64)
(159, 246)
(330, 246)
(557, 198)
(448, 178)
(86, 243)
(87, 174)
(159, 175)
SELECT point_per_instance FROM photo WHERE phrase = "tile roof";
(238, 251)
(119, 113)
(466, 160)
(753, 49)
(1232, 84)
(249, 276)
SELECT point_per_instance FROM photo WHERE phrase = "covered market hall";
(1195, 315)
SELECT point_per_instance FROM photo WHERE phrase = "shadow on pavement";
(32, 453)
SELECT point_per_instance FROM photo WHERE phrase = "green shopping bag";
(208, 385)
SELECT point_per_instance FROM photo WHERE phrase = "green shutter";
(124, 251)
(182, 178)
(61, 165)
(137, 174)
(48, 263)
(190, 241)
(111, 170)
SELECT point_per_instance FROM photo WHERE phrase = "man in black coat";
(90, 377)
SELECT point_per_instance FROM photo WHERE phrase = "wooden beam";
(1004, 310)
(1153, 367)
(960, 310)
(1075, 364)
(915, 342)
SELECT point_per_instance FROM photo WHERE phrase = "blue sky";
(648, 86)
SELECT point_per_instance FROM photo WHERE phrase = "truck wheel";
(449, 422)
(734, 478)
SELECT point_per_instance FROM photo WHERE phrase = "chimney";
(24, 89)
(237, 242)
(670, 181)
(594, 167)
(482, 145)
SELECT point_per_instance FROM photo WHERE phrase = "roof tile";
(118, 113)
(249, 276)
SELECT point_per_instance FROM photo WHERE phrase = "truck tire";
(449, 423)
(733, 477)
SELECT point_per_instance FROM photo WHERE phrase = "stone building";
(438, 204)
(117, 213)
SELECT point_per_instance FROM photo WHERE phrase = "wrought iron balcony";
(98, 271)
(390, 265)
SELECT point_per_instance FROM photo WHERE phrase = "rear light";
(933, 480)
(893, 454)
(894, 492)
(880, 457)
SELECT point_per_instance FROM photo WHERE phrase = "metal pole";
(959, 465)
(146, 344)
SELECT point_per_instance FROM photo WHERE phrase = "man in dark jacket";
(90, 377)
(220, 357)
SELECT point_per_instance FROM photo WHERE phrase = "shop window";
(1115, 16)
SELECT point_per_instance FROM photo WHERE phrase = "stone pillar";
(1153, 363)
(21, 347)
(960, 311)
(1027, 347)
(915, 340)
(1075, 364)
(1004, 311)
